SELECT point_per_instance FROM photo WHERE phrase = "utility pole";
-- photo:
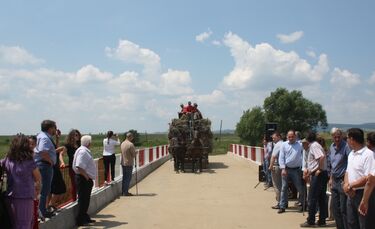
(221, 124)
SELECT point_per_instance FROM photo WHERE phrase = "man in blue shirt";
(338, 161)
(290, 161)
(45, 158)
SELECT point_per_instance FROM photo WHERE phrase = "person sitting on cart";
(196, 112)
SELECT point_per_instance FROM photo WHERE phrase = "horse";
(178, 152)
(195, 153)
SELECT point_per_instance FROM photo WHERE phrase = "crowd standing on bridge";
(347, 167)
(34, 183)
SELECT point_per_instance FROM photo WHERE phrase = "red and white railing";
(251, 153)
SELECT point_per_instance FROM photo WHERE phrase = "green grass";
(220, 144)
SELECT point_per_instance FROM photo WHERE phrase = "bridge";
(222, 196)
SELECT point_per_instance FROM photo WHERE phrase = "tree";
(136, 141)
(292, 111)
(250, 128)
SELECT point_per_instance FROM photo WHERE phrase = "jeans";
(355, 219)
(46, 172)
(267, 172)
(317, 196)
(276, 180)
(84, 194)
(295, 176)
(126, 178)
(339, 204)
(109, 161)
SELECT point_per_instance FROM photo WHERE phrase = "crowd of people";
(346, 167)
(35, 185)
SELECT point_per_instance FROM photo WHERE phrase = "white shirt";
(109, 147)
(360, 164)
(276, 151)
(84, 160)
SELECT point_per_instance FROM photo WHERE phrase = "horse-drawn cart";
(190, 142)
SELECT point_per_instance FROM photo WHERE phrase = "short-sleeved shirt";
(315, 152)
(109, 146)
(83, 159)
(20, 179)
(44, 143)
(338, 159)
(361, 163)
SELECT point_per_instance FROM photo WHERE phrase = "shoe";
(49, 215)
(281, 210)
(90, 221)
(52, 209)
(80, 224)
(129, 194)
(307, 224)
(276, 207)
(322, 224)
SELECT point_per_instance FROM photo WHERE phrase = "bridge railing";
(145, 156)
(251, 153)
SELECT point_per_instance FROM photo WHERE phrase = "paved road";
(223, 196)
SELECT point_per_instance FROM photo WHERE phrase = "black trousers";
(355, 219)
(109, 161)
(84, 188)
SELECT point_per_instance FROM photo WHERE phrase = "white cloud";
(344, 78)
(372, 78)
(175, 83)
(9, 106)
(216, 43)
(203, 36)
(130, 52)
(130, 81)
(91, 73)
(290, 38)
(16, 55)
(311, 54)
(216, 97)
(263, 66)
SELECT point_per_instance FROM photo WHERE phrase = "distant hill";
(364, 126)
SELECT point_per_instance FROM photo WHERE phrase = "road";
(222, 196)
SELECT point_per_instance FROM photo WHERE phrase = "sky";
(120, 64)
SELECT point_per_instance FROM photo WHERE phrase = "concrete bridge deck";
(222, 196)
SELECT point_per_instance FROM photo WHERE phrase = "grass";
(220, 144)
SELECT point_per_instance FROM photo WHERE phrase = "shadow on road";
(217, 165)
(105, 224)
(146, 194)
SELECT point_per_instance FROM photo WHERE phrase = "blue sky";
(100, 65)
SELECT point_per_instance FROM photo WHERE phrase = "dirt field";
(223, 196)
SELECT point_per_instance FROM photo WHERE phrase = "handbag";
(5, 220)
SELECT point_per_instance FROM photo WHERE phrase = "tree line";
(290, 110)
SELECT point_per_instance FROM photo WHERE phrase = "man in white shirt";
(274, 167)
(367, 206)
(85, 169)
(361, 163)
